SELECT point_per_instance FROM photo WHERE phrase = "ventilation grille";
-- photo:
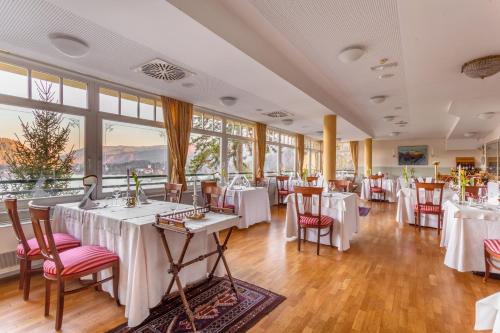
(162, 70)
(278, 114)
(8, 259)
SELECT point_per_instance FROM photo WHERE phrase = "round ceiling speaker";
(287, 121)
(228, 100)
(69, 45)
(389, 118)
(486, 115)
(394, 133)
(350, 54)
(378, 99)
(470, 134)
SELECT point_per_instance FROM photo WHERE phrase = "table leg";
(220, 250)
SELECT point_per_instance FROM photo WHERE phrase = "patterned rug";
(216, 309)
(363, 211)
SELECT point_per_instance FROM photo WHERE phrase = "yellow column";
(329, 146)
(368, 157)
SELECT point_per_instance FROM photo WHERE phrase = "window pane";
(315, 162)
(197, 120)
(203, 155)
(240, 158)
(229, 126)
(217, 124)
(128, 105)
(45, 87)
(159, 111)
(237, 129)
(208, 122)
(108, 100)
(74, 93)
(13, 80)
(132, 146)
(307, 165)
(30, 164)
(147, 109)
(287, 159)
(271, 163)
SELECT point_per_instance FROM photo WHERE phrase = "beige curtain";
(300, 152)
(354, 147)
(261, 148)
(177, 116)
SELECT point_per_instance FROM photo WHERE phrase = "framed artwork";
(413, 155)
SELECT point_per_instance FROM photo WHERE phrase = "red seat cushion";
(313, 220)
(283, 192)
(428, 209)
(229, 206)
(492, 245)
(80, 259)
(377, 189)
(63, 242)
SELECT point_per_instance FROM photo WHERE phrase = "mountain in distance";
(6, 146)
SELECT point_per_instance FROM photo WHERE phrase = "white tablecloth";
(407, 200)
(343, 207)
(388, 184)
(488, 314)
(464, 230)
(252, 204)
(129, 232)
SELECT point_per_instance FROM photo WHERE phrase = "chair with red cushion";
(173, 192)
(217, 200)
(376, 186)
(306, 219)
(472, 191)
(491, 251)
(283, 184)
(312, 181)
(71, 264)
(28, 250)
(205, 186)
(431, 203)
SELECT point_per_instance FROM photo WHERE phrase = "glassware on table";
(116, 195)
(483, 194)
(331, 187)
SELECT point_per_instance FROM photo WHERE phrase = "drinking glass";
(483, 194)
(116, 194)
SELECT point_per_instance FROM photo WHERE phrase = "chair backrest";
(431, 192)
(87, 182)
(343, 185)
(305, 194)
(261, 182)
(173, 192)
(312, 180)
(282, 182)
(375, 181)
(205, 185)
(11, 206)
(445, 178)
(472, 191)
(40, 219)
(217, 201)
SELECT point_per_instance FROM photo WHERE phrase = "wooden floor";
(391, 280)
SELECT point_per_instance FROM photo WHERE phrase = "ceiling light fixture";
(378, 99)
(482, 67)
(228, 100)
(287, 121)
(394, 133)
(69, 45)
(385, 76)
(384, 66)
(187, 84)
(470, 134)
(389, 118)
(350, 54)
(486, 115)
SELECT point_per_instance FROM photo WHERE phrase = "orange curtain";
(354, 147)
(261, 148)
(300, 152)
(177, 116)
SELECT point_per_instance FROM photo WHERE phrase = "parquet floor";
(391, 280)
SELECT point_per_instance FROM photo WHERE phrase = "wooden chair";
(87, 182)
(429, 206)
(173, 192)
(28, 249)
(376, 186)
(312, 181)
(71, 264)
(261, 182)
(491, 251)
(342, 185)
(305, 217)
(283, 185)
(205, 185)
(445, 178)
(472, 191)
(217, 201)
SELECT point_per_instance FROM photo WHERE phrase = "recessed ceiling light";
(386, 76)
(339, 139)
(378, 99)
(69, 45)
(389, 118)
(228, 100)
(486, 115)
(287, 121)
(470, 134)
(398, 108)
(351, 54)
(188, 84)
(394, 133)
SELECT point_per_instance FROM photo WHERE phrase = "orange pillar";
(329, 146)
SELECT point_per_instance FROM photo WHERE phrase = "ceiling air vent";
(162, 70)
(278, 114)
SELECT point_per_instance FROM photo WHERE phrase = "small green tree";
(41, 153)
(207, 153)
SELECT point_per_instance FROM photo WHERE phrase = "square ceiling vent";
(278, 114)
(163, 70)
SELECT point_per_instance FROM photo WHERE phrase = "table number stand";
(174, 222)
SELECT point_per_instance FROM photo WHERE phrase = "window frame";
(280, 147)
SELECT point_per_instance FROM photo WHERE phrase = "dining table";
(251, 204)
(130, 233)
(390, 185)
(343, 207)
(465, 227)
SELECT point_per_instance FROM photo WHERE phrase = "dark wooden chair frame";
(205, 186)
(342, 184)
(488, 262)
(312, 181)
(377, 179)
(41, 214)
(173, 192)
(282, 184)
(216, 195)
(429, 189)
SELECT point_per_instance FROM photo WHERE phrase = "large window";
(312, 156)
(240, 158)
(204, 156)
(344, 160)
(280, 153)
(14, 80)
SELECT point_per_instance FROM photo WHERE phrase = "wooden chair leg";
(47, 296)
(94, 279)
(27, 280)
(60, 304)
(116, 280)
(298, 240)
(22, 269)
(331, 235)
(317, 246)
(486, 266)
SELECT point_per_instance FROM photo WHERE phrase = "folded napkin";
(87, 204)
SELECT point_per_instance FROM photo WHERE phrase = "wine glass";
(331, 187)
(483, 195)
(116, 194)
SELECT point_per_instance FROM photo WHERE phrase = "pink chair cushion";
(492, 245)
(283, 192)
(377, 189)
(427, 209)
(313, 220)
(229, 206)
(63, 242)
(80, 259)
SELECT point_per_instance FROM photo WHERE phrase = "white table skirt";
(488, 314)
(252, 204)
(389, 185)
(464, 230)
(143, 262)
(407, 200)
(343, 207)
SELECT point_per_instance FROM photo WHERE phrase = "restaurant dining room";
(228, 166)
